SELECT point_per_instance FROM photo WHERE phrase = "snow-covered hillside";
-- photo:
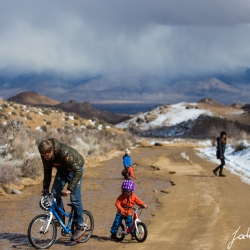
(167, 115)
(194, 120)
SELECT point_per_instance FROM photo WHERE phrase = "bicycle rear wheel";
(88, 226)
(142, 232)
(119, 235)
(38, 238)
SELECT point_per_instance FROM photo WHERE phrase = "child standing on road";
(126, 199)
(127, 163)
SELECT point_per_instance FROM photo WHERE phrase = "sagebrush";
(19, 145)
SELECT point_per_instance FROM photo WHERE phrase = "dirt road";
(200, 212)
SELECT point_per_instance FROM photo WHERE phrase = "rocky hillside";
(43, 118)
(194, 120)
(84, 110)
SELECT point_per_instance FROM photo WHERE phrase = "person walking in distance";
(69, 164)
(221, 146)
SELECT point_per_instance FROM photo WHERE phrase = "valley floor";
(200, 211)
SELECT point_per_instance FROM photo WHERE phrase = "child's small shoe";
(113, 237)
(132, 237)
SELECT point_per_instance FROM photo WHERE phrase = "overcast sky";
(163, 38)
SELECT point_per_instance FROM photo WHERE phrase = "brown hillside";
(41, 118)
(32, 98)
(84, 110)
(87, 111)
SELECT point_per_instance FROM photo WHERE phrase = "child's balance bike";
(140, 229)
(129, 174)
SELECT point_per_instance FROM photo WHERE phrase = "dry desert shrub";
(145, 143)
(8, 173)
(241, 145)
(46, 111)
(31, 168)
(234, 136)
(20, 144)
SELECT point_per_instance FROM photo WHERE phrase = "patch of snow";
(237, 162)
(38, 128)
(177, 113)
(92, 122)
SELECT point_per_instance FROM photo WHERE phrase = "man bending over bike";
(69, 164)
(125, 200)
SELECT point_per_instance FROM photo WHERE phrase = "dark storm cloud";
(165, 38)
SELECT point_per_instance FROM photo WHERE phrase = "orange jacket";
(130, 201)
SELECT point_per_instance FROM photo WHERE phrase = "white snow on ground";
(237, 163)
(176, 114)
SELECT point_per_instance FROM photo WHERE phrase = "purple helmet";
(128, 186)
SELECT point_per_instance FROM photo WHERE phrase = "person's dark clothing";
(65, 159)
(61, 178)
(221, 146)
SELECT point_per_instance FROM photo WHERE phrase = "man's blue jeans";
(61, 178)
(117, 222)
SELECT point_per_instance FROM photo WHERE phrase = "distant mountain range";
(129, 88)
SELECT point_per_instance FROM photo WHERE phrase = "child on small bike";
(127, 163)
(126, 199)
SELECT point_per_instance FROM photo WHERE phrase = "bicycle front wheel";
(39, 237)
(88, 226)
(141, 232)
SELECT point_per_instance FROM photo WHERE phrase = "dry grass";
(230, 113)
(235, 136)
(18, 146)
(8, 173)
(34, 117)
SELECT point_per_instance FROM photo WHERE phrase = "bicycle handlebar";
(51, 195)
(134, 208)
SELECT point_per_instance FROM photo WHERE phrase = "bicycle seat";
(70, 205)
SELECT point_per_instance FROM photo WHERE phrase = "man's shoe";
(215, 172)
(113, 237)
(79, 232)
(222, 175)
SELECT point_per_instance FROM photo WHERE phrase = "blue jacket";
(127, 161)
